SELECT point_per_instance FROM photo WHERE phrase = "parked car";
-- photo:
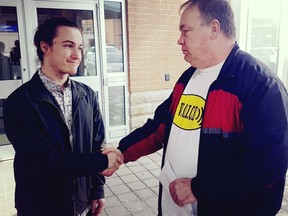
(90, 51)
(113, 56)
(268, 55)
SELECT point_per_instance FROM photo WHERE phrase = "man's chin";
(72, 71)
(187, 59)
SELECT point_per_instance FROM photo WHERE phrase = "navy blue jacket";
(243, 149)
(45, 164)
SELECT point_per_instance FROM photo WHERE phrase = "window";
(261, 30)
(114, 37)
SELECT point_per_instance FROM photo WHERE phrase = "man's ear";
(215, 28)
(44, 46)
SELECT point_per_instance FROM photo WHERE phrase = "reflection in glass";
(265, 32)
(116, 106)
(10, 58)
(3, 138)
(84, 19)
(114, 36)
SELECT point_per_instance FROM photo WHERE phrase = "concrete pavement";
(132, 190)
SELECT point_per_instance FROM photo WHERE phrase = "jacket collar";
(228, 68)
(40, 92)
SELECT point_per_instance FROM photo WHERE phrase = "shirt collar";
(50, 84)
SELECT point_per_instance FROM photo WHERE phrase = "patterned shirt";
(63, 98)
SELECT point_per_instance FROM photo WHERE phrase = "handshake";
(115, 159)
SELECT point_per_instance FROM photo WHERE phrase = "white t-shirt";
(183, 143)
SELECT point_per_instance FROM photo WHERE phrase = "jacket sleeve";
(261, 160)
(37, 155)
(148, 138)
(97, 181)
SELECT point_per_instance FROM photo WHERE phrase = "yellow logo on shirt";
(189, 113)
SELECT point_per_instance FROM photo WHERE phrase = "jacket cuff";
(195, 188)
(97, 192)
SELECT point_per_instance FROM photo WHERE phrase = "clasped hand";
(181, 193)
(115, 159)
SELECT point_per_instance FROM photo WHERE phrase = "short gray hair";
(215, 9)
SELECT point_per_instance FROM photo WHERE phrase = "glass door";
(115, 70)
(104, 55)
(85, 16)
(13, 62)
(263, 32)
(104, 65)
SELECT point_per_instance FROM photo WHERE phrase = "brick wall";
(143, 105)
(153, 31)
(152, 27)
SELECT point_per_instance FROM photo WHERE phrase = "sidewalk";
(133, 190)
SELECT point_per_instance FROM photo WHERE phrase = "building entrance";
(102, 68)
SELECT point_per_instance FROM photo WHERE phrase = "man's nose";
(76, 53)
(180, 40)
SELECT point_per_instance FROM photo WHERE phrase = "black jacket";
(243, 148)
(45, 164)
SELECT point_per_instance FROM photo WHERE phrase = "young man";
(56, 129)
(223, 130)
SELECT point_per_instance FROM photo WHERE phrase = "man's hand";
(97, 207)
(115, 159)
(181, 193)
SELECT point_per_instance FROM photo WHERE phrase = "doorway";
(104, 65)
(13, 62)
